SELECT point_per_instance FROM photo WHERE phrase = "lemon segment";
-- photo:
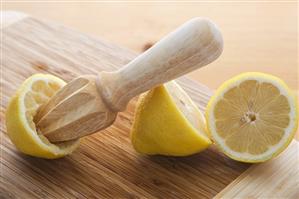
(252, 117)
(167, 122)
(34, 92)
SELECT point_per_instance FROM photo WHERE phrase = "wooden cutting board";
(105, 165)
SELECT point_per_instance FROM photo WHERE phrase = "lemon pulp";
(252, 117)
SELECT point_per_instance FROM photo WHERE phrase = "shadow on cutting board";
(128, 174)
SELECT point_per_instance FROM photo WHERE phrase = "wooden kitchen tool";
(90, 103)
(106, 165)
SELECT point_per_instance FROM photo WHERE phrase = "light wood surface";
(105, 165)
(90, 103)
(258, 35)
(278, 178)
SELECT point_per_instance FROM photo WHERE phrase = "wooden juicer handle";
(90, 103)
(195, 44)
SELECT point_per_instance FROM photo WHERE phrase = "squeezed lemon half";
(252, 117)
(35, 91)
(167, 122)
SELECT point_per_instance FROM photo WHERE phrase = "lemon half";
(35, 91)
(252, 117)
(167, 122)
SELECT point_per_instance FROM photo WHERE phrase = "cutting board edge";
(239, 187)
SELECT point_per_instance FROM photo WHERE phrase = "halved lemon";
(252, 117)
(167, 122)
(34, 92)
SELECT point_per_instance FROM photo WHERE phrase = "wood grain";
(277, 178)
(105, 165)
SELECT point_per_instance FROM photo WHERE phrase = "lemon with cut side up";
(252, 117)
(167, 122)
(35, 91)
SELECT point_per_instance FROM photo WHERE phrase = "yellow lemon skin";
(160, 128)
(25, 139)
(233, 81)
